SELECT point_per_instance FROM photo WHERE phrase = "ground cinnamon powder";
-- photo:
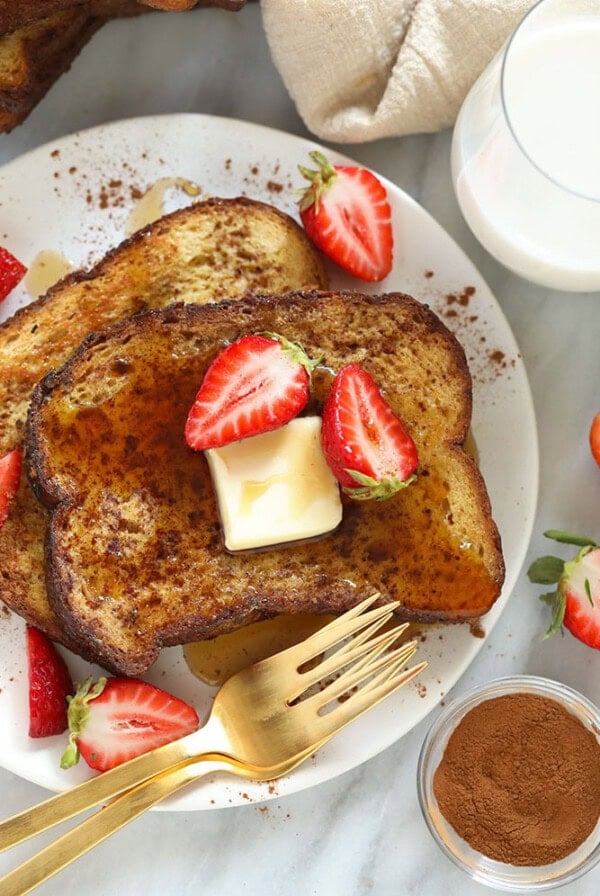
(520, 780)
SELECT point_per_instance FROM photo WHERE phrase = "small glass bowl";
(481, 868)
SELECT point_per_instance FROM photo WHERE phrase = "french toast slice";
(208, 251)
(134, 554)
(40, 39)
(38, 51)
(16, 13)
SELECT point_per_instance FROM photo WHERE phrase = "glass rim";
(527, 18)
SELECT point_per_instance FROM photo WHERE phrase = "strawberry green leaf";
(570, 538)
(588, 592)
(374, 489)
(546, 570)
(558, 602)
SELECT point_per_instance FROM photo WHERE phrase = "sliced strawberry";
(576, 601)
(10, 476)
(346, 213)
(11, 272)
(257, 383)
(595, 438)
(50, 685)
(365, 444)
(580, 585)
(120, 718)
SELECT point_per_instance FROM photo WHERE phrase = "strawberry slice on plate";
(11, 272)
(576, 601)
(10, 476)
(50, 685)
(365, 444)
(346, 213)
(257, 383)
(117, 719)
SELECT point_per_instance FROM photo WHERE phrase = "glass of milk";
(526, 148)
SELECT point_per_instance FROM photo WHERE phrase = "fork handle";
(98, 827)
(107, 785)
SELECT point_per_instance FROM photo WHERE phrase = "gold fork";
(265, 721)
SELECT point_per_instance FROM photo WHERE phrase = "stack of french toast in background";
(39, 39)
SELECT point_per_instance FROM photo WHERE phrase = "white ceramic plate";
(74, 196)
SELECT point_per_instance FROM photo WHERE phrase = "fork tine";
(387, 673)
(350, 623)
(356, 648)
(369, 696)
(364, 699)
(394, 634)
(355, 677)
(362, 637)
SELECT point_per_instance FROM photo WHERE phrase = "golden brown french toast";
(34, 54)
(15, 13)
(206, 252)
(33, 57)
(135, 557)
(40, 39)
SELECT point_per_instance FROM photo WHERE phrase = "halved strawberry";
(346, 213)
(365, 444)
(11, 272)
(120, 718)
(257, 383)
(10, 476)
(576, 601)
(50, 685)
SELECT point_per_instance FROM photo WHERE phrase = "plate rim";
(173, 120)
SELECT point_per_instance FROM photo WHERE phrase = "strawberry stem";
(296, 351)
(320, 180)
(78, 715)
(373, 489)
(325, 167)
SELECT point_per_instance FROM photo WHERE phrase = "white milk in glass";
(526, 149)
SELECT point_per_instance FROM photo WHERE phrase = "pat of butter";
(275, 487)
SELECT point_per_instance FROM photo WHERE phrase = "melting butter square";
(275, 487)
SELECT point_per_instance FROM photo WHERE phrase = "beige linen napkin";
(359, 70)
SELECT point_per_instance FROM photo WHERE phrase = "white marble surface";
(361, 833)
